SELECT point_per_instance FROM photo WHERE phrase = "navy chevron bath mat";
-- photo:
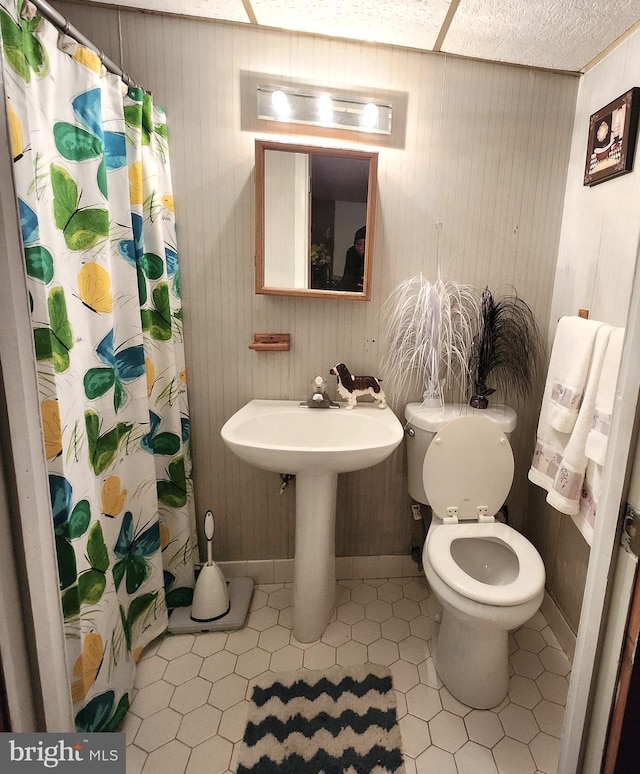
(335, 721)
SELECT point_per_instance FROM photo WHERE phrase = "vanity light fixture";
(335, 111)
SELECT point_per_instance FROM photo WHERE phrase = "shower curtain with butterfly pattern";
(92, 177)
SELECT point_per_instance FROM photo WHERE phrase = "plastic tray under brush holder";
(240, 593)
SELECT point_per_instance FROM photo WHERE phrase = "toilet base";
(472, 662)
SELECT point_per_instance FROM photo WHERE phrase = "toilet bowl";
(488, 578)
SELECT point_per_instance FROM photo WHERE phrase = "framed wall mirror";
(315, 219)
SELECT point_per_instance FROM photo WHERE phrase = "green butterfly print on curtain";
(38, 259)
(81, 228)
(171, 258)
(54, 343)
(174, 491)
(165, 443)
(133, 552)
(100, 714)
(157, 321)
(140, 116)
(22, 49)
(90, 141)
(92, 583)
(145, 603)
(148, 266)
(103, 447)
(71, 523)
(120, 366)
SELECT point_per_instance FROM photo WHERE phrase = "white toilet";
(487, 577)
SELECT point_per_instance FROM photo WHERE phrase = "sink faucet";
(319, 397)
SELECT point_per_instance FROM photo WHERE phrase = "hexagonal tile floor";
(190, 702)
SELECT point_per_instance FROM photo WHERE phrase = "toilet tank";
(423, 423)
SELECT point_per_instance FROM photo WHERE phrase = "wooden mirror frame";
(372, 157)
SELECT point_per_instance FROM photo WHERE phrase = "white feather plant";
(427, 336)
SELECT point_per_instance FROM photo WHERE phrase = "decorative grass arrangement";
(428, 334)
(507, 348)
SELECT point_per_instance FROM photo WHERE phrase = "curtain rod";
(63, 24)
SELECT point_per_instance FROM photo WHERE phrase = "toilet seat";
(467, 475)
(526, 585)
(468, 465)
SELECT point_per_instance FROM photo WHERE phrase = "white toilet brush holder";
(210, 596)
(218, 604)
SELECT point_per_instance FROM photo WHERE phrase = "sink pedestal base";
(314, 587)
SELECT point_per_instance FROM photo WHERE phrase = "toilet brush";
(210, 596)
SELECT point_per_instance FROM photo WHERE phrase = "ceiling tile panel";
(555, 34)
(412, 23)
(561, 34)
(228, 10)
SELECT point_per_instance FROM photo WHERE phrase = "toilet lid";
(468, 464)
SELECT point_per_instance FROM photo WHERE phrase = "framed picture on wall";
(612, 138)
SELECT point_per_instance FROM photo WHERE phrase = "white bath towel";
(573, 333)
(597, 440)
(566, 491)
(573, 345)
(591, 488)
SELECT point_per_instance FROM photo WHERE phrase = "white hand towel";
(596, 446)
(566, 491)
(572, 334)
(574, 342)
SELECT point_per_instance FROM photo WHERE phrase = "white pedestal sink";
(316, 445)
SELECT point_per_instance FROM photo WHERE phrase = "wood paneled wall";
(473, 189)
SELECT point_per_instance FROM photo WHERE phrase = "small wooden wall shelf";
(270, 342)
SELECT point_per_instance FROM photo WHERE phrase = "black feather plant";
(506, 349)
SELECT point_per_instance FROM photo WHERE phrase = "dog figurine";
(350, 387)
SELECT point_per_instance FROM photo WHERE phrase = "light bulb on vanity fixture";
(370, 115)
(334, 110)
(280, 104)
(325, 109)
